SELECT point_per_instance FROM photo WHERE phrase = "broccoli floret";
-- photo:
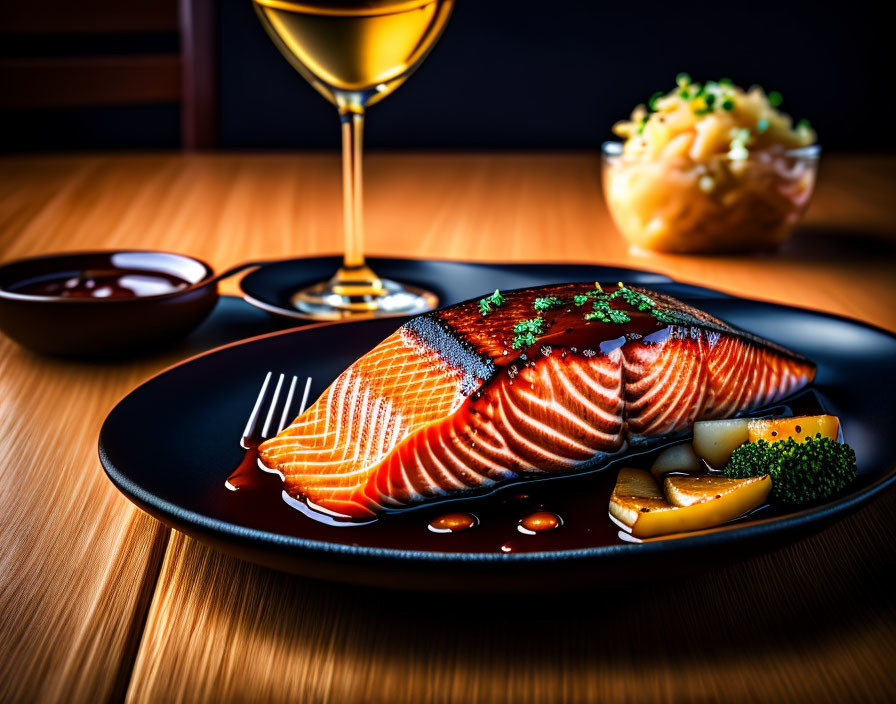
(801, 472)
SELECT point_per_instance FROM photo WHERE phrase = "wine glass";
(355, 52)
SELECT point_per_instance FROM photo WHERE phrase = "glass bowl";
(674, 204)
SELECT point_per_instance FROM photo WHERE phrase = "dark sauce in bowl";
(102, 283)
(104, 304)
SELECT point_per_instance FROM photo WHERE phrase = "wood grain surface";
(99, 602)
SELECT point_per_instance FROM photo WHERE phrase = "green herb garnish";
(653, 98)
(525, 332)
(582, 298)
(635, 299)
(804, 124)
(605, 314)
(547, 303)
(775, 98)
(642, 302)
(490, 303)
(662, 315)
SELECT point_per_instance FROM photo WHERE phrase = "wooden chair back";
(42, 78)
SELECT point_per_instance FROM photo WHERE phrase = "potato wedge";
(798, 428)
(636, 495)
(677, 458)
(637, 502)
(715, 440)
(688, 491)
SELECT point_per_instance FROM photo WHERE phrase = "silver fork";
(258, 430)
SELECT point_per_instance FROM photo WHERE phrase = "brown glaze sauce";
(539, 522)
(560, 513)
(103, 283)
(453, 523)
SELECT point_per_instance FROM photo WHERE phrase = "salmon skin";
(447, 404)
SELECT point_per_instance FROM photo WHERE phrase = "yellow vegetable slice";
(703, 502)
(798, 428)
(635, 496)
(742, 494)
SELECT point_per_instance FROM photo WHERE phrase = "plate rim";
(291, 314)
(298, 546)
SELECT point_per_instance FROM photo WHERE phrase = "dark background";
(525, 74)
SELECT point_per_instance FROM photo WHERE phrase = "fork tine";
(273, 405)
(285, 415)
(253, 417)
(305, 395)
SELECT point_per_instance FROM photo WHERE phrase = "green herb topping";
(641, 301)
(490, 303)
(605, 314)
(547, 303)
(635, 299)
(525, 332)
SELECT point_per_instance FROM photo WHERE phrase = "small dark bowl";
(103, 327)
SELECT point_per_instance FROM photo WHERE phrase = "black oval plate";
(170, 444)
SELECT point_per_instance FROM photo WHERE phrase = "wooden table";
(98, 601)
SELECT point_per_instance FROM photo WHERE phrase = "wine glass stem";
(352, 140)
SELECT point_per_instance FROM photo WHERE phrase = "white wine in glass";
(355, 53)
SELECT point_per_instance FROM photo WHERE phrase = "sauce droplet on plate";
(539, 522)
(453, 523)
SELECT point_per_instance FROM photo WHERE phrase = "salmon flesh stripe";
(446, 404)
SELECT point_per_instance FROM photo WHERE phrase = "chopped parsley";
(663, 316)
(490, 303)
(547, 303)
(525, 332)
(643, 302)
(605, 314)
(635, 299)
(705, 99)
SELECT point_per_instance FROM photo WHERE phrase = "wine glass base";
(321, 302)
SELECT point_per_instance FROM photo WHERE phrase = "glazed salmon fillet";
(554, 379)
